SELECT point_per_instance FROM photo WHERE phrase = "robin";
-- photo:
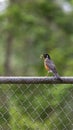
(49, 65)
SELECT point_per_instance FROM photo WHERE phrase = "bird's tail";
(57, 76)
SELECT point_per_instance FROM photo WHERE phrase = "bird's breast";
(46, 67)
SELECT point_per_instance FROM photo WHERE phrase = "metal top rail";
(35, 80)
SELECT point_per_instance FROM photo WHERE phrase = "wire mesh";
(36, 106)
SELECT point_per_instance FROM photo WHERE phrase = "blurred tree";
(40, 25)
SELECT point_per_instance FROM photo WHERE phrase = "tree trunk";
(9, 46)
(8, 55)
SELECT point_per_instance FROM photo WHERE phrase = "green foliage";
(41, 103)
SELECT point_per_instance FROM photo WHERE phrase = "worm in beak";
(41, 56)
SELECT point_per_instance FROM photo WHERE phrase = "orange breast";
(46, 67)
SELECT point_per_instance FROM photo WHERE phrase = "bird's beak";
(41, 56)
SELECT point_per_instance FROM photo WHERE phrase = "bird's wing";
(51, 65)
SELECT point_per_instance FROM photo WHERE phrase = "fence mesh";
(36, 107)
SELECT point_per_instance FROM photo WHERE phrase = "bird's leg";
(47, 73)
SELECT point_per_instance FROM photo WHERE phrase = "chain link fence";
(34, 106)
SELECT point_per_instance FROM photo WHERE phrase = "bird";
(49, 65)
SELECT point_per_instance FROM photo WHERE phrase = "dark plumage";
(50, 66)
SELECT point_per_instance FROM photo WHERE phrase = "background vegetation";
(28, 29)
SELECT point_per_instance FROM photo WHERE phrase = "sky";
(3, 5)
(65, 5)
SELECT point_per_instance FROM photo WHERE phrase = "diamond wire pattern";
(36, 107)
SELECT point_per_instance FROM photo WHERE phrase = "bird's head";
(45, 56)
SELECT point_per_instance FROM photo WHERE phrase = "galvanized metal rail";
(35, 80)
